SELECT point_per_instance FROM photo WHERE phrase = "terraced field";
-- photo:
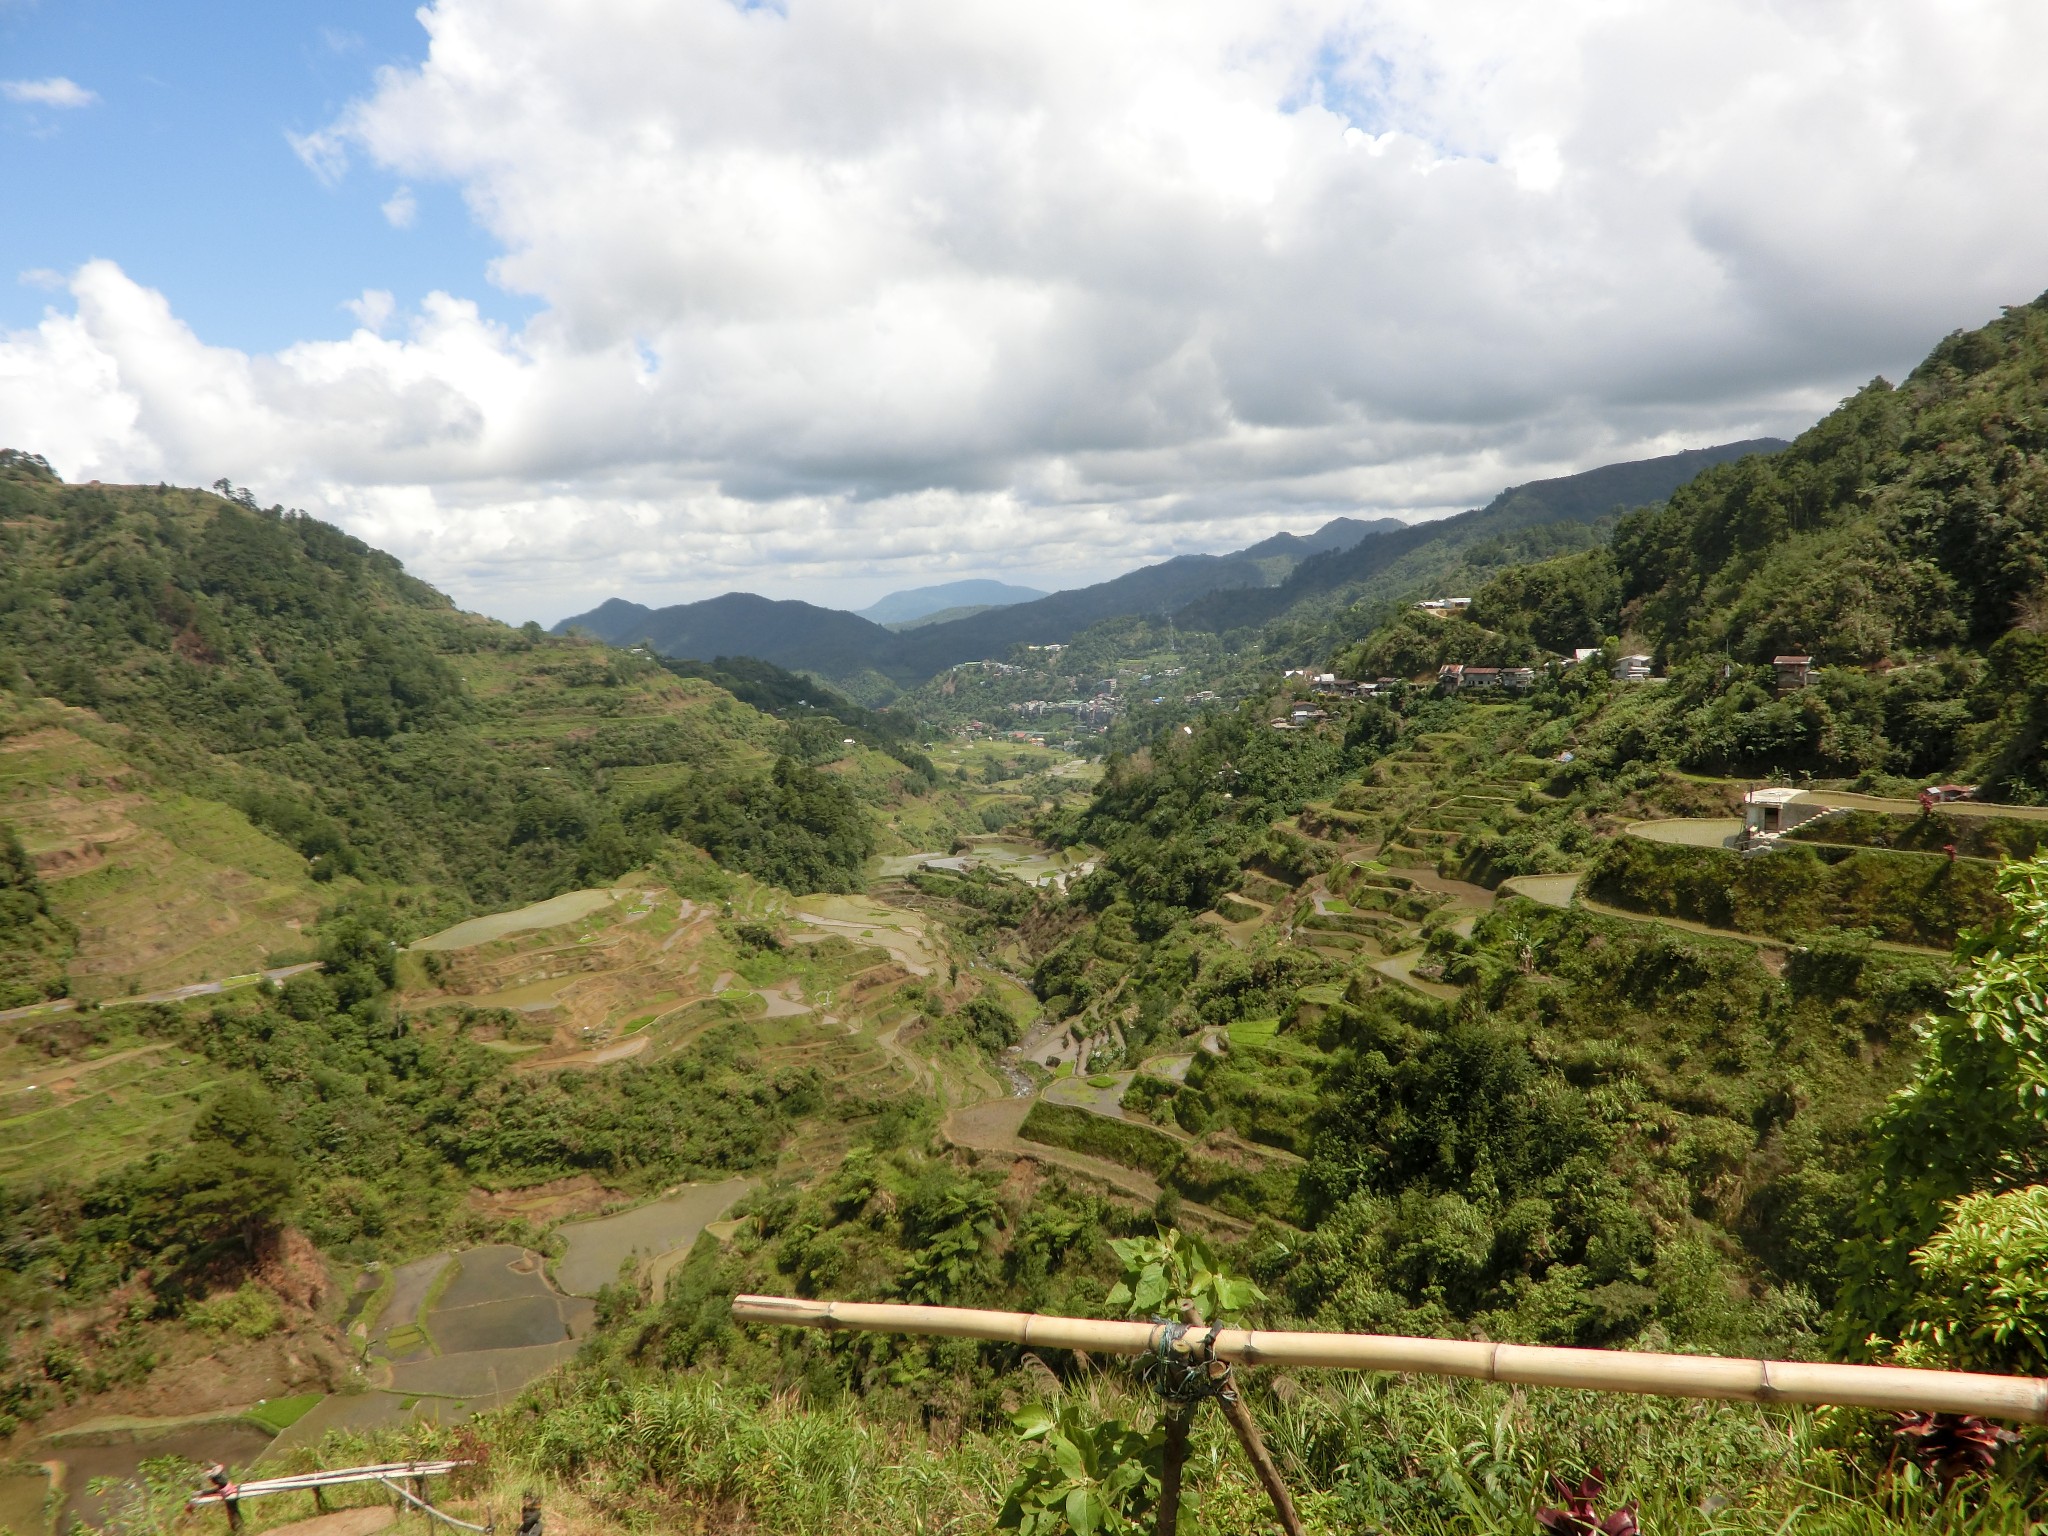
(654, 1234)
(457, 1333)
(165, 889)
(84, 1115)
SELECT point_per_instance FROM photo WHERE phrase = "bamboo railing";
(1599, 1370)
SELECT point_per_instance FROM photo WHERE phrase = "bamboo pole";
(1599, 1370)
(298, 1482)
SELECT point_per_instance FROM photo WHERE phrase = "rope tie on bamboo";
(1188, 1373)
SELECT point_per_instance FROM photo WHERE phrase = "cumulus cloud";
(53, 92)
(837, 296)
(401, 208)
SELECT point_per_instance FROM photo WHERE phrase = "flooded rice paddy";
(119, 1455)
(461, 1333)
(651, 1232)
(552, 913)
(25, 1503)
(1550, 890)
(1690, 832)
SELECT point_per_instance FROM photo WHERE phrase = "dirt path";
(919, 1069)
(1760, 940)
(1847, 801)
(60, 1076)
(366, 1521)
(603, 1056)
(991, 1126)
(172, 995)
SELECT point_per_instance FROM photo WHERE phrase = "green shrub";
(1985, 1273)
(1973, 1119)
(249, 1313)
(1905, 898)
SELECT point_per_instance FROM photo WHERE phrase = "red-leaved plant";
(1951, 1445)
(1580, 1516)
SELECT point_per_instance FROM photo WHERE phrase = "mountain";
(221, 717)
(789, 633)
(836, 644)
(1580, 498)
(1337, 533)
(1216, 592)
(923, 602)
(944, 616)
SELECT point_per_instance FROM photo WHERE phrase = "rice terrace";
(816, 770)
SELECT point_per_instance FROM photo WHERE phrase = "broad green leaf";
(1084, 1511)
(1151, 1291)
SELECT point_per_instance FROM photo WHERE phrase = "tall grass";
(1409, 1455)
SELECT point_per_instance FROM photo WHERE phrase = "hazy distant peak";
(1337, 533)
(922, 602)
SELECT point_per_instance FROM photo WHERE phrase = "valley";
(1586, 925)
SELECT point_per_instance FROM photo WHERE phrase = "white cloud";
(322, 153)
(53, 92)
(401, 208)
(374, 309)
(858, 295)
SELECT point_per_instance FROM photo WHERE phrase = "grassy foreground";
(693, 1454)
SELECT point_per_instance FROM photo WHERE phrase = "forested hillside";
(267, 662)
(1902, 543)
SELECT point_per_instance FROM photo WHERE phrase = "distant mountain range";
(1214, 592)
(925, 602)
(1580, 498)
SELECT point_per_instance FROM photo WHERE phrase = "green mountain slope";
(220, 718)
(1523, 522)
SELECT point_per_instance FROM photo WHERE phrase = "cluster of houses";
(1456, 678)
(1327, 685)
(1099, 710)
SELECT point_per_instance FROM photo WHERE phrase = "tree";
(1974, 1117)
(227, 1190)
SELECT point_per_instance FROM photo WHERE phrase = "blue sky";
(181, 169)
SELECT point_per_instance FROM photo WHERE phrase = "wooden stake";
(1175, 1454)
(1262, 1461)
(1248, 1435)
(1601, 1370)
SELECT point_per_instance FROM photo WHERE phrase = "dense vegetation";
(818, 716)
(792, 826)
(34, 942)
(261, 658)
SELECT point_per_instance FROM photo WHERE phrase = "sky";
(665, 298)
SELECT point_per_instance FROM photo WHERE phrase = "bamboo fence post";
(1172, 1458)
(1248, 1436)
(1759, 1381)
(1262, 1460)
